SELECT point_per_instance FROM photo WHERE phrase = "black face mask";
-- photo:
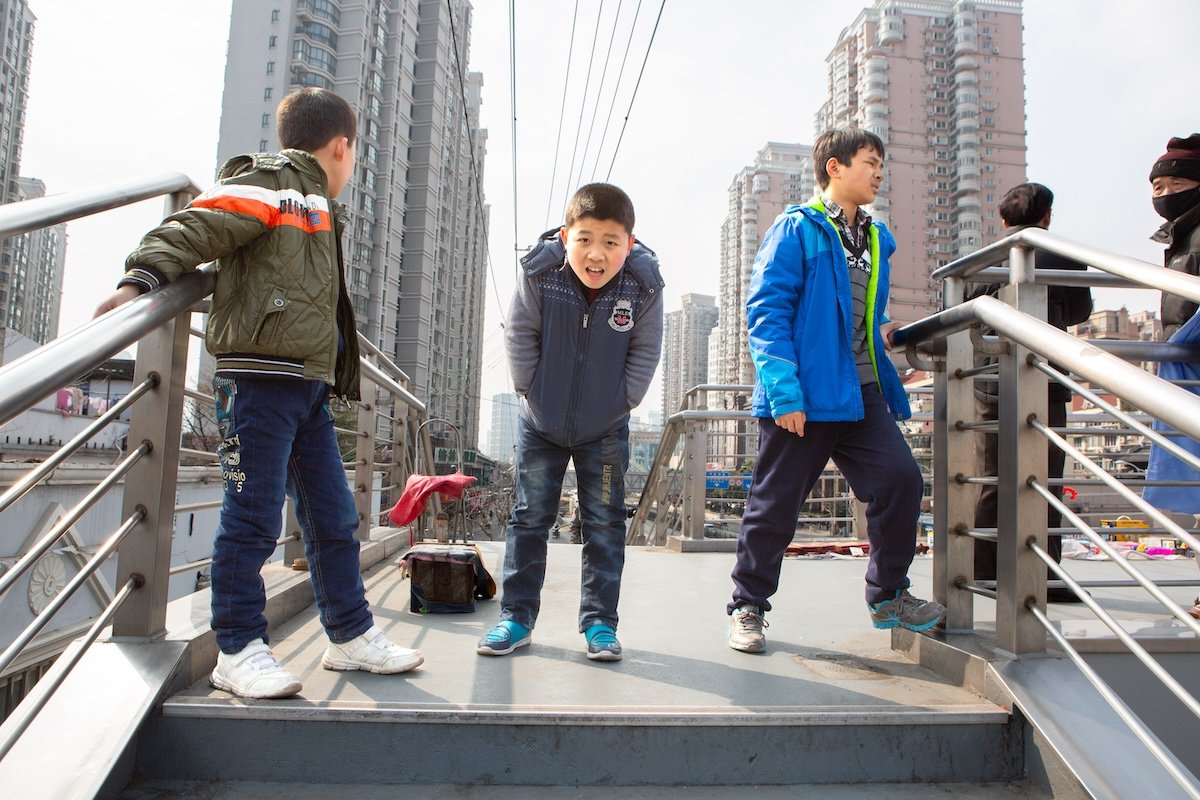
(1172, 206)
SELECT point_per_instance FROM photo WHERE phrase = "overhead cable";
(583, 102)
(635, 90)
(483, 220)
(562, 107)
(616, 90)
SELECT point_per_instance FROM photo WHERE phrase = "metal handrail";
(45, 212)
(68, 358)
(1172, 404)
(1136, 271)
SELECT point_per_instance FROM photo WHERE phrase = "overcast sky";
(136, 92)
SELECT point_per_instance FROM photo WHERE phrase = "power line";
(512, 83)
(616, 90)
(635, 90)
(562, 108)
(462, 87)
(583, 102)
(599, 91)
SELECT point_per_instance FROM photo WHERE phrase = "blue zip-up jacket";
(801, 320)
(580, 370)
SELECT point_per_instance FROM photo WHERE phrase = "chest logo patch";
(622, 316)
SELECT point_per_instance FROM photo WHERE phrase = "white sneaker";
(371, 652)
(253, 673)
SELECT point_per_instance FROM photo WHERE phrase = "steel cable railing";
(1177, 771)
(57, 678)
(68, 591)
(70, 518)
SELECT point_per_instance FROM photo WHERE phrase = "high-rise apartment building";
(781, 174)
(416, 245)
(31, 265)
(35, 262)
(941, 82)
(685, 348)
(502, 434)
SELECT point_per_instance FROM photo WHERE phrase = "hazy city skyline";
(721, 81)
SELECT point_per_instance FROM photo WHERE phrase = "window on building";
(267, 92)
(275, 15)
(262, 145)
(271, 40)
(266, 120)
(270, 67)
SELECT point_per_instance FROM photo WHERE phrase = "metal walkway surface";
(830, 702)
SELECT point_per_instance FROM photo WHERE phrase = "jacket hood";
(550, 253)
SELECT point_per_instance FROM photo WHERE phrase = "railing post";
(1020, 574)
(695, 456)
(954, 454)
(152, 481)
(151, 484)
(364, 461)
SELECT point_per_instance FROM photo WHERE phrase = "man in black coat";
(1028, 205)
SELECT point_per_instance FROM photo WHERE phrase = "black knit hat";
(1182, 159)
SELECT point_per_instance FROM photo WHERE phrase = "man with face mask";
(1175, 182)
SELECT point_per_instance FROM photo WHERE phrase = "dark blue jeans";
(877, 463)
(600, 473)
(277, 436)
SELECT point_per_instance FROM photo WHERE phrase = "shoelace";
(749, 622)
(605, 637)
(498, 634)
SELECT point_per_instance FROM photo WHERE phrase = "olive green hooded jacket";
(280, 305)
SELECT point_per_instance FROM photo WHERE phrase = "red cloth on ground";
(417, 490)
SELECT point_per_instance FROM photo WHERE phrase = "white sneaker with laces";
(371, 652)
(253, 673)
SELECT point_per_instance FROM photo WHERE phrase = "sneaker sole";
(888, 624)
(290, 689)
(339, 665)
(751, 647)
(484, 650)
(604, 655)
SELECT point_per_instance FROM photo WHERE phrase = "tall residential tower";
(781, 174)
(941, 82)
(31, 264)
(416, 246)
(685, 348)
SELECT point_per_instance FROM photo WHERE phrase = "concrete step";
(289, 740)
(251, 790)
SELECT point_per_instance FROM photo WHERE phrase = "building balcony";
(891, 30)
(875, 91)
(965, 61)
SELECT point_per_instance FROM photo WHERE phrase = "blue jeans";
(600, 473)
(879, 466)
(277, 436)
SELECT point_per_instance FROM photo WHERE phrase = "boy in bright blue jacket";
(825, 389)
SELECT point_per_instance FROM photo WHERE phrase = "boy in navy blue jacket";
(825, 389)
(584, 335)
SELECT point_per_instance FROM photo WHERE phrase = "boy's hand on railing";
(117, 298)
(793, 421)
(886, 330)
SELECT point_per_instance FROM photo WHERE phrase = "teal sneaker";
(906, 611)
(602, 644)
(503, 639)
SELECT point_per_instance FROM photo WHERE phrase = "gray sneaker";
(906, 611)
(746, 630)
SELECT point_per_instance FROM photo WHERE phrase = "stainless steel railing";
(1022, 347)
